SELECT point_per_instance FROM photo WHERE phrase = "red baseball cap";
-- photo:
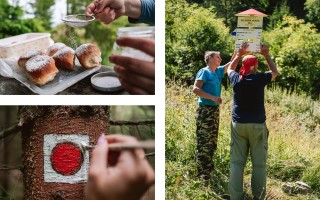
(247, 62)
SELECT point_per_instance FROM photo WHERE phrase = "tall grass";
(294, 145)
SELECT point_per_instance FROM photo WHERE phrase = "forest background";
(292, 101)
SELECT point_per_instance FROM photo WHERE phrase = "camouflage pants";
(207, 121)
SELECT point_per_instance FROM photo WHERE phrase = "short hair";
(209, 54)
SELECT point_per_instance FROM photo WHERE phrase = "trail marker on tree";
(249, 29)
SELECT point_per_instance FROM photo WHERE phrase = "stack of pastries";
(42, 66)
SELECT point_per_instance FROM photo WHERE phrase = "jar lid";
(106, 81)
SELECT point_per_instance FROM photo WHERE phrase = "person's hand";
(106, 10)
(264, 50)
(243, 49)
(136, 76)
(118, 175)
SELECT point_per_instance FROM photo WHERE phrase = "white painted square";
(50, 175)
(253, 46)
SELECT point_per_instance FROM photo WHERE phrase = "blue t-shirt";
(211, 83)
(248, 97)
(147, 13)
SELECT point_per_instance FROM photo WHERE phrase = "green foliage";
(226, 10)
(312, 8)
(191, 31)
(295, 46)
(12, 22)
(76, 6)
(43, 11)
(312, 176)
(279, 12)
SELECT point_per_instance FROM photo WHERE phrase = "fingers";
(137, 66)
(99, 158)
(101, 5)
(90, 9)
(134, 83)
(142, 44)
(120, 139)
(138, 153)
(106, 16)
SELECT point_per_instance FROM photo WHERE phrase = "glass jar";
(139, 32)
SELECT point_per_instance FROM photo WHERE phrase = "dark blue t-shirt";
(248, 97)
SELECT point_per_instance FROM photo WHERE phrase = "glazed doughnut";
(89, 55)
(27, 55)
(41, 69)
(64, 58)
(55, 47)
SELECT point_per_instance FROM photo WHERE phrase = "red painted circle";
(66, 158)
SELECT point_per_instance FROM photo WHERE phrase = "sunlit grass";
(294, 150)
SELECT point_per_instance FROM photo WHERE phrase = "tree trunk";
(54, 166)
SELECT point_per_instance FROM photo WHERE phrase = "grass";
(294, 151)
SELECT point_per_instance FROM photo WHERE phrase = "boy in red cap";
(248, 127)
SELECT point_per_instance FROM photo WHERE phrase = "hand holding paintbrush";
(128, 175)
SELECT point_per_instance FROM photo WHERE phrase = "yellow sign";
(250, 21)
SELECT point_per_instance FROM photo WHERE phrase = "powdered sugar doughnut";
(64, 58)
(27, 55)
(41, 69)
(55, 47)
(89, 55)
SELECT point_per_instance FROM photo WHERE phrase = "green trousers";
(245, 138)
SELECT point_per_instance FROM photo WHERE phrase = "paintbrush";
(148, 144)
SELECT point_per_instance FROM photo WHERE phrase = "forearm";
(133, 8)
(203, 94)
(147, 13)
(234, 63)
(271, 64)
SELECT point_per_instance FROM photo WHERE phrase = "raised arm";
(265, 52)
(226, 66)
(198, 91)
(235, 59)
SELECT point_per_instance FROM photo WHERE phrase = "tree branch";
(9, 131)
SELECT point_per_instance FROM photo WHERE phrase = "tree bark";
(40, 121)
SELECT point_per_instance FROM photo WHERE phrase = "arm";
(265, 52)
(198, 91)
(147, 13)
(226, 66)
(234, 62)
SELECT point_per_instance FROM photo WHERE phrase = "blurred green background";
(18, 17)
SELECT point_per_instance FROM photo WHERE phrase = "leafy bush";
(190, 32)
(296, 47)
